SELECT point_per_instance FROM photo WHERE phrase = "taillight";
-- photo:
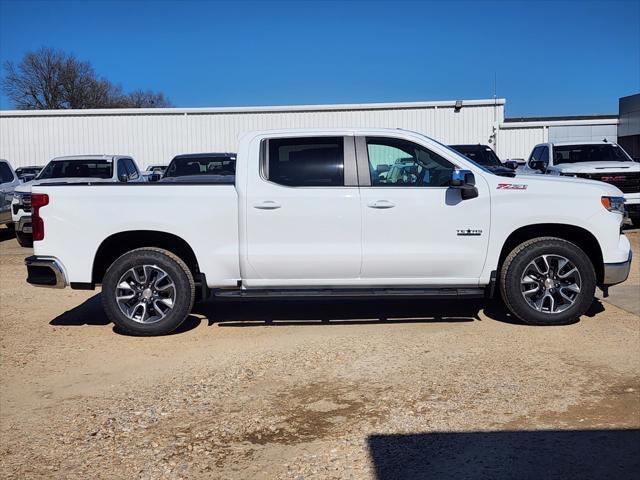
(37, 224)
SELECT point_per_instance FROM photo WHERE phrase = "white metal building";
(154, 136)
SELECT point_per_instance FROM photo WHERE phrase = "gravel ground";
(321, 389)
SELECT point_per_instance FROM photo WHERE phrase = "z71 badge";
(511, 186)
(469, 233)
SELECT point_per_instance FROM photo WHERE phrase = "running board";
(433, 293)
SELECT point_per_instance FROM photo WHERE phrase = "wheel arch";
(120, 243)
(579, 236)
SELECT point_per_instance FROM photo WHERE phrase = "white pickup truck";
(602, 160)
(74, 169)
(306, 217)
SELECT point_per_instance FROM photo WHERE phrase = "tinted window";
(535, 155)
(131, 167)
(544, 154)
(482, 155)
(214, 165)
(122, 169)
(6, 175)
(395, 162)
(306, 162)
(77, 169)
(589, 153)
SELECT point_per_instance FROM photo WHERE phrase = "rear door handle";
(266, 205)
(380, 204)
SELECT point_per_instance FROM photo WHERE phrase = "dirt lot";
(377, 389)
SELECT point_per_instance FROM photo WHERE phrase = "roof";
(589, 142)
(205, 155)
(90, 157)
(561, 118)
(258, 109)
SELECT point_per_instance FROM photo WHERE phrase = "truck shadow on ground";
(547, 454)
(6, 234)
(252, 313)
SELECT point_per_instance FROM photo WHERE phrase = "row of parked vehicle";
(603, 161)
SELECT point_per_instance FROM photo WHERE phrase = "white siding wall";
(518, 142)
(28, 138)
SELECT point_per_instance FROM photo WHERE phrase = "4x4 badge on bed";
(469, 233)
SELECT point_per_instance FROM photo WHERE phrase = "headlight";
(613, 204)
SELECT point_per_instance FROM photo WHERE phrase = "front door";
(303, 214)
(416, 229)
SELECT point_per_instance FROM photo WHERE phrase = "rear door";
(303, 213)
(415, 228)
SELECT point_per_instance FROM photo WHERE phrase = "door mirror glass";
(512, 164)
(465, 181)
(538, 165)
(123, 177)
(154, 177)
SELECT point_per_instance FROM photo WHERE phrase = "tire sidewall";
(184, 292)
(519, 305)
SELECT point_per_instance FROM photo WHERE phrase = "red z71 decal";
(511, 186)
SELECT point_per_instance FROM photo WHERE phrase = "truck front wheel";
(148, 291)
(547, 281)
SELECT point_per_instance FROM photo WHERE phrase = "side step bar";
(432, 293)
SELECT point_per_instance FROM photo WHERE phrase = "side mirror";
(123, 178)
(465, 181)
(538, 165)
(512, 164)
(154, 177)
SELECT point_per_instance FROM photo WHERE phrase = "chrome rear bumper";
(615, 273)
(45, 272)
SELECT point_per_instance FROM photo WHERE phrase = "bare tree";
(50, 79)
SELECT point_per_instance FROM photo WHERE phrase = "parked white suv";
(603, 161)
(63, 170)
(8, 182)
(308, 216)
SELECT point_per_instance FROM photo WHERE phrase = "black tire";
(11, 226)
(24, 239)
(514, 267)
(177, 271)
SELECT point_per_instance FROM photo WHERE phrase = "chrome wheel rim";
(145, 294)
(551, 284)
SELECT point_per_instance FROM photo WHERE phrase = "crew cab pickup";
(307, 217)
(603, 161)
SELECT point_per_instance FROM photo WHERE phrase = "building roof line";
(258, 109)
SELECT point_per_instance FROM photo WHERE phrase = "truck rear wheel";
(547, 281)
(148, 291)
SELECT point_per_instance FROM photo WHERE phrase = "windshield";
(180, 167)
(77, 169)
(589, 153)
(479, 154)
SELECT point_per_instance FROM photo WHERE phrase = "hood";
(596, 167)
(556, 182)
(26, 187)
(499, 170)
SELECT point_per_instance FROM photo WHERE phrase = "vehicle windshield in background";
(589, 153)
(77, 169)
(181, 167)
(157, 168)
(479, 154)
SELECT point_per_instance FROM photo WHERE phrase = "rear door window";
(306, 162)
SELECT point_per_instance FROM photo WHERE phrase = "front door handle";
(266, 205)
(380, 204)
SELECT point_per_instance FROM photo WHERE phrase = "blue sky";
(550, 58)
